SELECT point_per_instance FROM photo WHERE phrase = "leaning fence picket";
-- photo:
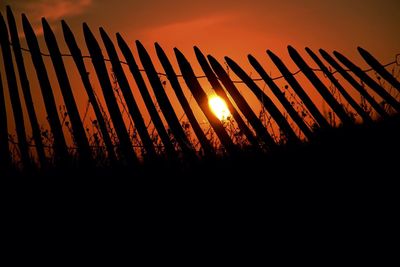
(354, 83)
(155, 117)
(78, 59)
(202, 100)
(265, 101)
(369, 81)
(374, 63)
(5, 155)
(127, 93)
(78, 130)
(60, 145)
(281, 97)
(14, 95)
(364, 115)
(171, 75)
(164, 103)
(298, 89)
(26, 90)
(124, 145)
(242, 104)
(321, 88)
(213, 80)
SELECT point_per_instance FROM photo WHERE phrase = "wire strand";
(396, 61)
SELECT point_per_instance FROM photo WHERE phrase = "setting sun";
(218, 106)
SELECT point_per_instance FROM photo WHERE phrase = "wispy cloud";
(52, 10)
(55, 9)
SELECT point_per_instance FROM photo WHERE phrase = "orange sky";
(228, 28)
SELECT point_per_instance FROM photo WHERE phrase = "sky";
(227, 28)
(233, 27)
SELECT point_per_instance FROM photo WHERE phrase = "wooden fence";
(172, 133)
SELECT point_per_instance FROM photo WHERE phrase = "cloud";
(56, 9)
(52, 10)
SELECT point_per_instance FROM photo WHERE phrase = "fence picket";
(60, 145)
(244, 107)
(364, 115)
(321, 88)
(374, 63)
(155, 117)
(164, 102)
(127, 93)
(202, 100)
(77, 57)
(5, 155)
(213, 80)
(78, 130)
(171, 75)
(281, 97)
(26, 90)
(369, 81)
(354, 83)
(124, 145)
(265, 101)
(298, 89)
(14, 95)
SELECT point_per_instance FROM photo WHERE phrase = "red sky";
(230, 28)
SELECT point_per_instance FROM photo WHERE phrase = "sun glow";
(218, 107)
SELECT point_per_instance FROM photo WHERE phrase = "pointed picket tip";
(308, 49)
(179, 55)
(139, 45)
(323, 53)
(365, 54)
(9, 11)
(272, 55)
(87, 32)
(105, 36)
(292, 51)
(121, 41)
(157, 45)
(10, 16)
(119, 36)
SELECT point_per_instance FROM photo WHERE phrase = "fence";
(172, 138)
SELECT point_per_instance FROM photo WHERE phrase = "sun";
(218, 107)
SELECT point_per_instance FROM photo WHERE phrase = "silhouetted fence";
(172, 136)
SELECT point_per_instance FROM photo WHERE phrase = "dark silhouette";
(60, 145)
(26, 90)
(353, 148)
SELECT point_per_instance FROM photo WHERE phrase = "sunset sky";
(232, 27)
(222, 28)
